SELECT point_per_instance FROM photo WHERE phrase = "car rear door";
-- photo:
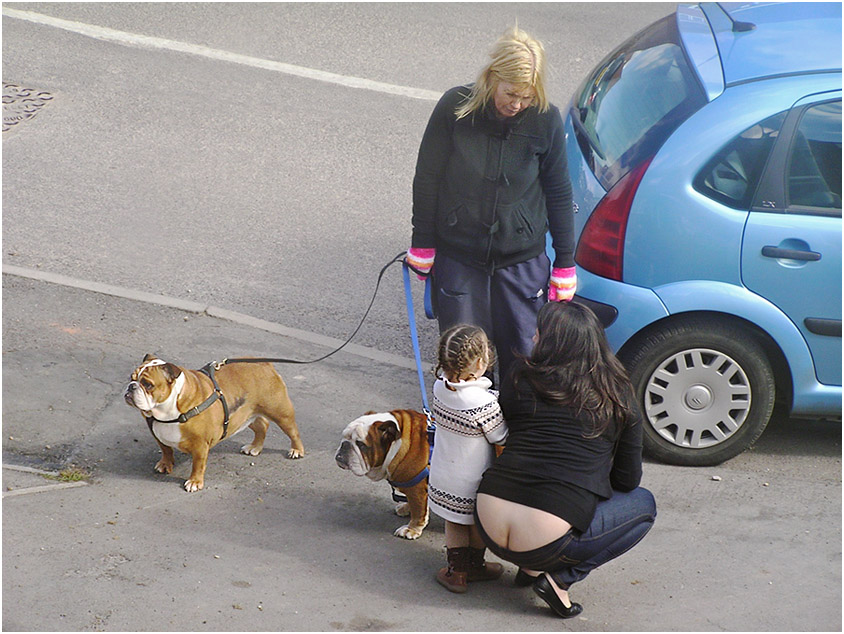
(791, 252)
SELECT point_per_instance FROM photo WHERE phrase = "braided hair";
(459, 348)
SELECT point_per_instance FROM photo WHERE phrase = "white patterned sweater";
(468, 423)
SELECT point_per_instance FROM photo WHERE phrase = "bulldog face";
(369, 444)
(153, 385)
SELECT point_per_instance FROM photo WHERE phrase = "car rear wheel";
(706, 391)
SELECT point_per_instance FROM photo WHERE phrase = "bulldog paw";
(251, 450)
(407, 532)
(193, 485)
(403, 509)
(293, 454)
(164, 466)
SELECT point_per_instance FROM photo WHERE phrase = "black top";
(548, 464)
(486, 190)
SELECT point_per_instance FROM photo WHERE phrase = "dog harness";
(399, 497)
(208, 370)
(404, 485)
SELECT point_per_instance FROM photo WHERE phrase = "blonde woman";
(491, 179)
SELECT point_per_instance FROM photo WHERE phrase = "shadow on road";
(798, 437)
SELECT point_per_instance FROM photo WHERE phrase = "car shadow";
(800, 437)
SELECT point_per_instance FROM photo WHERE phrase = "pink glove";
(421, 261)
(563, 284)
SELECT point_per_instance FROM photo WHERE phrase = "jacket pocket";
(460, 224)
(518, 228)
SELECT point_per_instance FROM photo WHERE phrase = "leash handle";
(430, 313)
(414, 337)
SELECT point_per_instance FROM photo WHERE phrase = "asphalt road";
(278, 545)
(262, 192)
(231, 182)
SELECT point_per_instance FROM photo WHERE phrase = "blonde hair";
(518, 59)
(461, 346)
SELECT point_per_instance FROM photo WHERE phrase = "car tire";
(706, 390)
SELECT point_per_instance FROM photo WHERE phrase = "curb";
(213, 311)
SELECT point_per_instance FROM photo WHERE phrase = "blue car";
(705, 157)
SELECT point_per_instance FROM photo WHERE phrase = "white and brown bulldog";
(392, 446)
(250, 393)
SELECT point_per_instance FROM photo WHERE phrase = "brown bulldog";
(392, 446)
(194, 410)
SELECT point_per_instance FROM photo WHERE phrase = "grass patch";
(70, 474)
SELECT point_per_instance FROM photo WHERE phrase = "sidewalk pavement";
(273, 544)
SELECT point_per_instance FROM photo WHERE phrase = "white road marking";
(147, 41)
(130, 39)
(216, 312)
(41, 489)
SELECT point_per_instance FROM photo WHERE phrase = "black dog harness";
(208, 370)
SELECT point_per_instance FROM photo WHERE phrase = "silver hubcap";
(697, 398)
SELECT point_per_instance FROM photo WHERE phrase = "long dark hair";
(572, 365)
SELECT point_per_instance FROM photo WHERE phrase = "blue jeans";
(618, 525)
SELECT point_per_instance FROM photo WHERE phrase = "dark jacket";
(486, 190)
(547, 441)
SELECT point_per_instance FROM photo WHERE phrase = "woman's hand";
(563, 284)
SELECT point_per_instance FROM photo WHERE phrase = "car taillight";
(601, 247)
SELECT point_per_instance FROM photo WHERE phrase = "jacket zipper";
(493, 227)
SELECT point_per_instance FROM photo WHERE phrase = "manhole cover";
(20, 104)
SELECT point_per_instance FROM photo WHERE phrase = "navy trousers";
(505, 303)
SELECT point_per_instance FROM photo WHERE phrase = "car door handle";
(790, 254)
(826, 327)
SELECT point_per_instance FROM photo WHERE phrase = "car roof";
(787, 38)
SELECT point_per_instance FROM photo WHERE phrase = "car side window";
(813, 173)
(732, 176)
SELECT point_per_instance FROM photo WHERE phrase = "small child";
(469, 422)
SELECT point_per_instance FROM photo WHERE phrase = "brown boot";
(480, 570)
(453, 576)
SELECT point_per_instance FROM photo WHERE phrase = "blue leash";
(414, 337)
(429, 308)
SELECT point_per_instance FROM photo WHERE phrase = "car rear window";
(633, 100)
(732, 176)
(814, 167)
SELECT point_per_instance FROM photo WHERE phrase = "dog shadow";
(130, 451)
(336, 524)
(398, 567)
(353, 519)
